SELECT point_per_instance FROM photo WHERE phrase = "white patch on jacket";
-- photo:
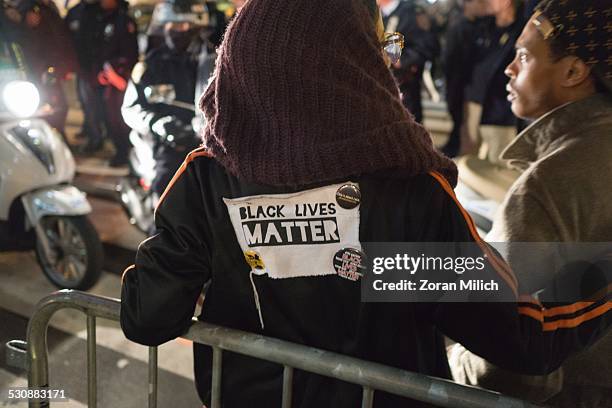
(295, 235)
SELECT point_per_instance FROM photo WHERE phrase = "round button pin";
(348, 196)
(350, 263)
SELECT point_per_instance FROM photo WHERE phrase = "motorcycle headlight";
(37, 141)
(21, 98)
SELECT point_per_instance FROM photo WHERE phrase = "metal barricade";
(370, 376)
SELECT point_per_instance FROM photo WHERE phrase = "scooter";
(135, 193)
(39, 207)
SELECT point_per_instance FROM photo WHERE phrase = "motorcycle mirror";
(163, 93)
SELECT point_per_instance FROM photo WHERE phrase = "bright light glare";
(21, 98)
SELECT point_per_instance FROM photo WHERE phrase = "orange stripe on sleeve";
(543, 314)
(571, 323)
(126, 271)
(561, 310)
(499, 265)
(199, 152)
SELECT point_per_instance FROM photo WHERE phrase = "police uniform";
(179, 70)
(493, 51)
(421, 45)
(105, 37)
(49, 55)
(78, 19)
(457, 61)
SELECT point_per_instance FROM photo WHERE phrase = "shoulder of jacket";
(201, 153)
(199, 161)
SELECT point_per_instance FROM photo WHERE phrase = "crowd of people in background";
(465, 44)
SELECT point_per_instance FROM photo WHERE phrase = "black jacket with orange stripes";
(196, 243)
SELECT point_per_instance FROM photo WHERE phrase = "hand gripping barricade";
(32, 356)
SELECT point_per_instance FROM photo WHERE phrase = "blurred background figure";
(216, 28)
(49, 56)
(106, 43)
(457, 62)
(410, 18)
(238, 4)
(78, 19)
(530, 6)
(489, 123)
(160, 99)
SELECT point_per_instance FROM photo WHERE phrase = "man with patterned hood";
(561, 78)
(309, 155)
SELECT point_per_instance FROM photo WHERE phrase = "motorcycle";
(135, 193)
(39, 207)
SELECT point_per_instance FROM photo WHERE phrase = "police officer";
(78, 19)
(108, 52)
(49, 55)
(409, 18)
(489, 122)
(171, 68)
(457, 60)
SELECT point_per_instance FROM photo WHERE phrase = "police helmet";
(181, 11)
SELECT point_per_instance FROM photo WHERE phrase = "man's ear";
(576, 72)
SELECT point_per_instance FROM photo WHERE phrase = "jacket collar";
(555, 127)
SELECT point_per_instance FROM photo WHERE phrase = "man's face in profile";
(534, 76)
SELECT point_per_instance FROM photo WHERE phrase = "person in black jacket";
(457, 61)
(106, 43)
(409, 18)
(174, 67)
(310, 155)
(77, 19)
(489, 123)
(49, 54)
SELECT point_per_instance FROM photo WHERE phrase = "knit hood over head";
(301, 95)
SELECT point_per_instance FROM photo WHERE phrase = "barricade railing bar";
(370, 376)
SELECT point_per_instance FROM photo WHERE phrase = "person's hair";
(558, 51)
